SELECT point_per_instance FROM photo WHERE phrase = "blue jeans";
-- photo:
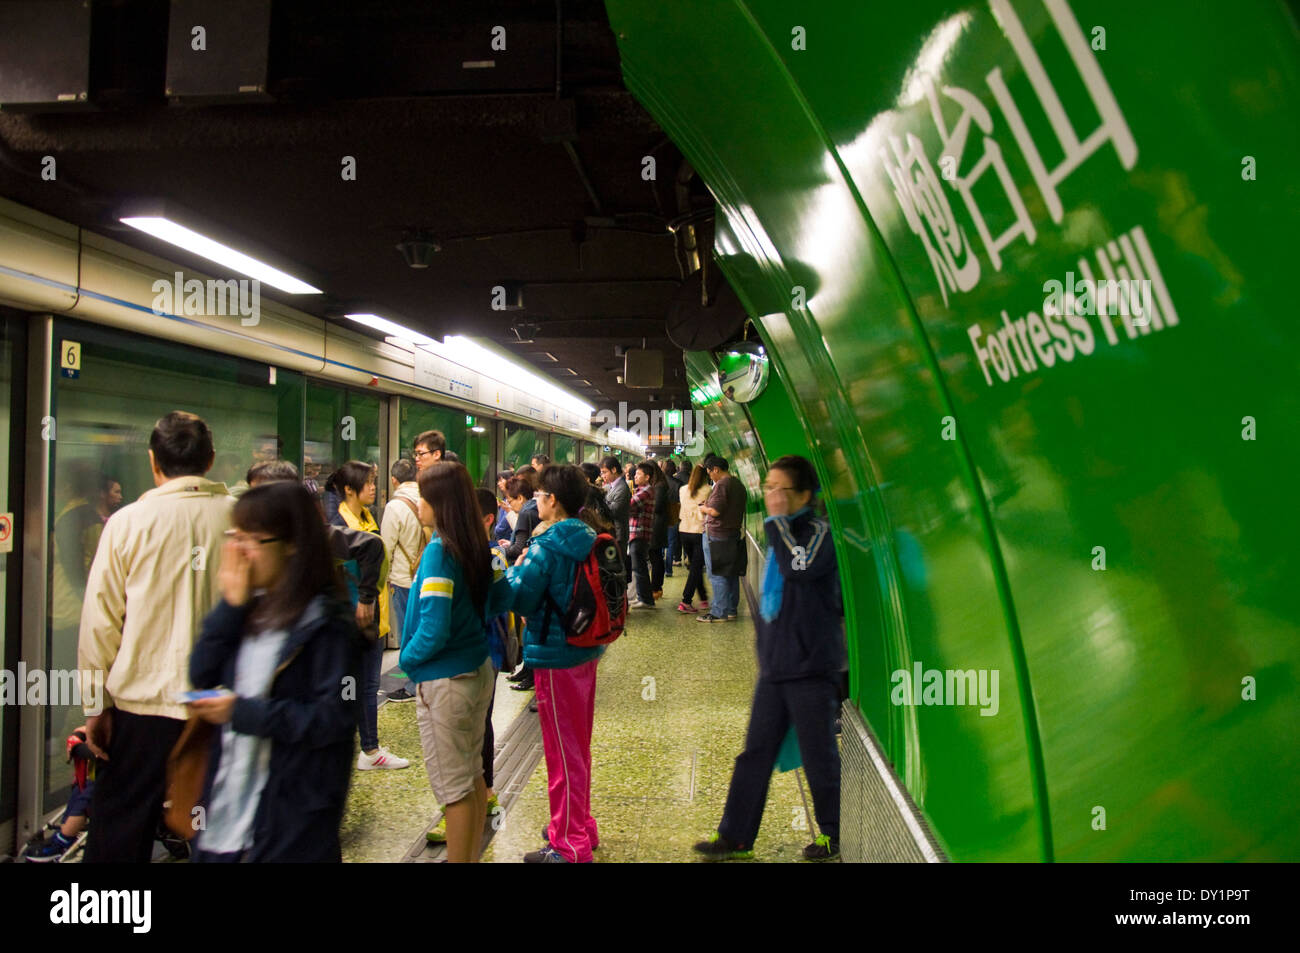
(726, 589)
(372, 659)
(674, 550)
(397, 598)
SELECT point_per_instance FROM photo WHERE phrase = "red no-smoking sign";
(6, 532)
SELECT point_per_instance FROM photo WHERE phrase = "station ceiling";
(527, 177)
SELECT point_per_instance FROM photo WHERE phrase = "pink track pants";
(566, 704)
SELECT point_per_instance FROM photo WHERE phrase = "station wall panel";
(892, 180)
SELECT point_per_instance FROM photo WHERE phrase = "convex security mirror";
(742, 371)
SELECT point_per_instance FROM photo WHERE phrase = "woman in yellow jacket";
(354, 482)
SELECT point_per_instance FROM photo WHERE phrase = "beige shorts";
(451, 713)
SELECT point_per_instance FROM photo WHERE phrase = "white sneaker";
(382, 758)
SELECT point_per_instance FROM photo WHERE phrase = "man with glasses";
(429, 449)
(153, 579)
(724, 545)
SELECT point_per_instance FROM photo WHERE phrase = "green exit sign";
(469, 421)
(672, 418)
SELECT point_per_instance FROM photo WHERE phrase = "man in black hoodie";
(800, 655)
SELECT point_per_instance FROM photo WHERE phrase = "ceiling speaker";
(642, 368)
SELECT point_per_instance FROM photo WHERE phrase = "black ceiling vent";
(46, 54)
(699, 322)
(218, 51)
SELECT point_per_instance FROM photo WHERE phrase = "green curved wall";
(1148, 709)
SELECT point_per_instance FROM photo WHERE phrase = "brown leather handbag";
(187, 768)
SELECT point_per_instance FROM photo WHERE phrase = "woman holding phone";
(283, 639)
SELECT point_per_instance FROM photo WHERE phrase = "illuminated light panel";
(392, 328)
(180, 236)
(464, 351)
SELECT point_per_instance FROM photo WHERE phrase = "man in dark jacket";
(619, 497)
(724, 541)
(674, 512)
(659, 534)
(800, 655)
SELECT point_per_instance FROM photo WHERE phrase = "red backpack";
(598, 606)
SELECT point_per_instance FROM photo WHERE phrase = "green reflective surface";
(1086, 504)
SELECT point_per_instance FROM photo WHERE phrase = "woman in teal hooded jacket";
(565, 675)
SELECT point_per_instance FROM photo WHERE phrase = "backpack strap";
(552, 604)
(415, 511)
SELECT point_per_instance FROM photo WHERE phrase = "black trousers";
(693, 550)
(811, 704)
(489, 737)
(656, 568)
(129, 788)
(641, 570)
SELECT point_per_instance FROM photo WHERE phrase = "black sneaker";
(547, 840)
(51, 851)
(518, 675)
(547, 855)
(718, 847)
(401, 695)
(823, 848)
(526, 684)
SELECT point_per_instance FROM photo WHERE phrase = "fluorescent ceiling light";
(201, 245)
(398, 331)
(465, 351)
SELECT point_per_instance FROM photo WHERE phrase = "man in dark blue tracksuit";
(800, 657)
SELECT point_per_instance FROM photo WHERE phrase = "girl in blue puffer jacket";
(565, 675)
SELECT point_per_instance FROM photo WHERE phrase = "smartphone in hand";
(186, 697)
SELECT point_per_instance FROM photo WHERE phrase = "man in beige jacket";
(153, 580)
(404, 540)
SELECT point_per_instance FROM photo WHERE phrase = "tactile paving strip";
(518, 753)
(879, 823)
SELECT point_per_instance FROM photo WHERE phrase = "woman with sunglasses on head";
(458, 587)
(800, 656)
(284, 641)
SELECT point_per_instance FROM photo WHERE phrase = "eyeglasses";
(772, 488)
(244, 539)
(421, 454)
(538, 494)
